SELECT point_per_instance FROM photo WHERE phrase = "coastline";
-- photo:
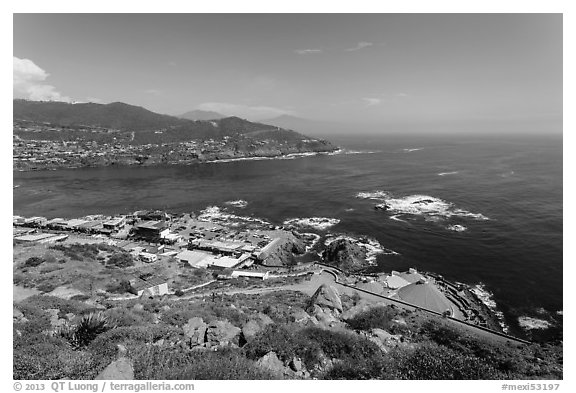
(197, 161)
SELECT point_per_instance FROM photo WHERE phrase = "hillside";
(58, 134)
(150, 127)
(198, 114)
(116, 115)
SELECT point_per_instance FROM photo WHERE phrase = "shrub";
(47, 287)
(177, 364)
(44, 302)
(122, 286)
(34, 261)
(179, 293)
(121, 260)
(430, 361)
(341, 345)
(375, 317)
(127, 317)
(286, 342)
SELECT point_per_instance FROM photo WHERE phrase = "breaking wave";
(319, 223)
(456, 228)
(487, 298)
(418, 205)
(448, 173)
(217, 215)
(529, 323)
(237, 203)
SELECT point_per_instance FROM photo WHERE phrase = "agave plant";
(86, 330)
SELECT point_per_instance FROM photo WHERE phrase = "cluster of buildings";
(151, 235)
(429, 291)
(44, 145)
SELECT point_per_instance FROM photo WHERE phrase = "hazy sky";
(503, 70)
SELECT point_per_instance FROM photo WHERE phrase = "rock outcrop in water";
(345, 255)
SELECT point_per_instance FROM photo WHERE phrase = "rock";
(55, 321)
(120, 369)
(326, 296)
(362, 306)
(195, 329)
(271, 362)
(296, 364)
(222, 333)
(264, 319)
(344, 254)
(250, 329)
(18, 316)
(159, 343)
(138, 307)
(300, 316)
(122, 351)
(166, 308)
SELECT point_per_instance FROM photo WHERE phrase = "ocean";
(483, 210)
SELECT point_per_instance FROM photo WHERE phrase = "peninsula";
(50, 135)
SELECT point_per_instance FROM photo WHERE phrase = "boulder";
(121, 369)
(222, 333)
(326, 296)
(138, 307)
(300, 316)
(271, 362)
(362, 306)
(195, 330)
(18, 316)
(296, 364)
(264, 319)
(250, 330)
(344, 254)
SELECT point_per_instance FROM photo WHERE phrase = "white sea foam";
(310, 244)
(411, 150)
(529, 323)
(395, 218)
(319, 223)
(487, 298)
(425, 205)
(237, 203)
(448, 173)
(361, 151)
(377, 195)
(217, 215)
(456, 228)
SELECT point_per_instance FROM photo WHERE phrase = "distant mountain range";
(143, 125)
(198, 114)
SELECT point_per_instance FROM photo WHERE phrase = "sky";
(460, 71)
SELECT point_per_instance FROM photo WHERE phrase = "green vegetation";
(87, 329)
(34, 261)
(152, 335)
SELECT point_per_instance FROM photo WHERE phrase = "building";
(150, 286)
(151, 230)
(193, 258)
(250, 274)
(35, 222)
(41, 238)
(425, 294)
(395, 282)
(115, 224)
